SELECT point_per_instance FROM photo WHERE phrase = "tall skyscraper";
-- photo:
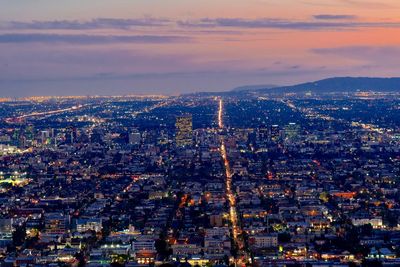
(184, 130)
(30, 135)
(70, 135)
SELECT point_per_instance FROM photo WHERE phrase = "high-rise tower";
(184, 130)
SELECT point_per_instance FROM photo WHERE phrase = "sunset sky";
(80, 47)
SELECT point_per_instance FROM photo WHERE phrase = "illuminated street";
(51, 112)
(233, 215)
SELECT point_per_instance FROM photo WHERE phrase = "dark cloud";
(360, 51)
(99, 23)
(321, 21)
(88, 39)
(334, 17)
(282, 24)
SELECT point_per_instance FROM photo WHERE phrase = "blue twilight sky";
(81, 47)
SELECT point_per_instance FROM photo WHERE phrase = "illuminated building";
(6, 227)
(264, 241)
(56, 223)
(184, 131)
(70, 135)
(375, 222)
(84, 225)
(16, 137)
(45, 137)
(275, 133)
(29, 135)
(135, 138)
(262, 137)
(292, 131)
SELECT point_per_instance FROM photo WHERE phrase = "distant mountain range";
(338, 84)
(330, 85)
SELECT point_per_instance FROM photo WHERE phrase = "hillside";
(341, 84)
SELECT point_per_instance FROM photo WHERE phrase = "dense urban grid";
(201, 180)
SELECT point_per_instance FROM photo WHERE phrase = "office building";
(184, 131)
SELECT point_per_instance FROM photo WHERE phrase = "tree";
(226, 259)
(162, 247)
(371, 263)
(284, 237)
(19, 235)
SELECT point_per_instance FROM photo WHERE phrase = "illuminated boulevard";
(237, 236)
(51, 112)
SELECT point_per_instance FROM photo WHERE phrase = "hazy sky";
(79, 47)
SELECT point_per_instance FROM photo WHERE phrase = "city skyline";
(256, 179)
(158, 47)
(208, 133)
